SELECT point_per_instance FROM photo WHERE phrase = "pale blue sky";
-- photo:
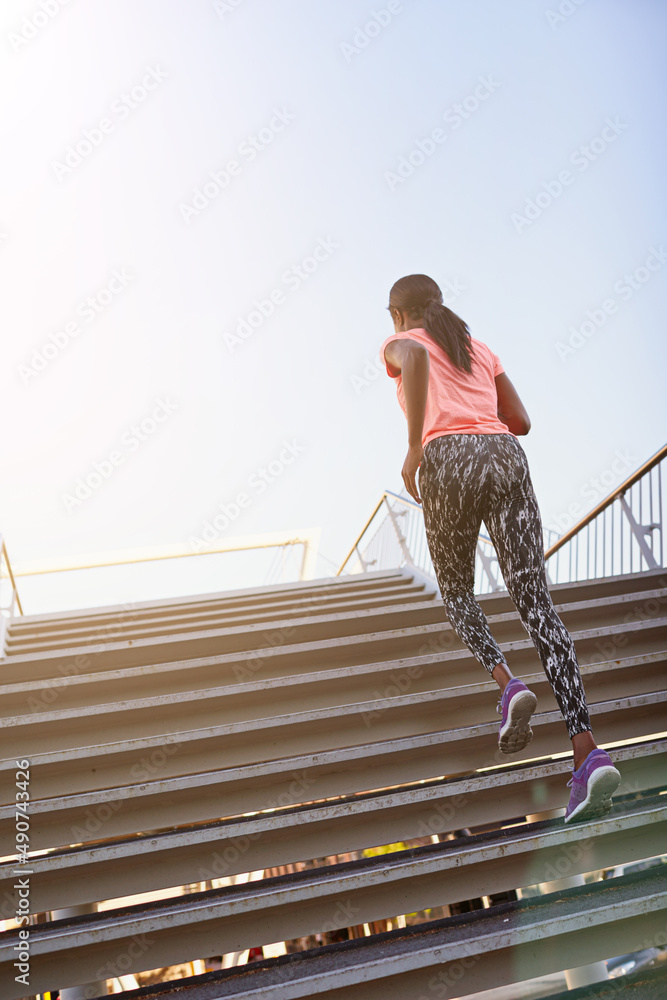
(170, 286)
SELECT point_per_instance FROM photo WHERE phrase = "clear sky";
(203, 206)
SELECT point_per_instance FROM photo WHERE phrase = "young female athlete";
(463, 416)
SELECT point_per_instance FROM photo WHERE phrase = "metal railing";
(10, 601)
(282, 541)
(6, 574)
(622, 534)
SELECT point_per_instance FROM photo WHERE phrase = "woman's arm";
(510, 408)
(412, 360)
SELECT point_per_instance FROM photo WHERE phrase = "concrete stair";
(184, 741)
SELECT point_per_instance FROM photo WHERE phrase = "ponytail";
(420, 297)
(450, 332)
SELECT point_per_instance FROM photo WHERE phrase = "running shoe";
(516, 705)
(593, 785)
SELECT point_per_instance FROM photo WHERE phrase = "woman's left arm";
(412, 361)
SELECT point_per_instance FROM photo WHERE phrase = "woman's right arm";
(510, 408)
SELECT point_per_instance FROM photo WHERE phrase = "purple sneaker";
(516, 706)
(593, 785)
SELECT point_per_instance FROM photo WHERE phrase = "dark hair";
(419, 296)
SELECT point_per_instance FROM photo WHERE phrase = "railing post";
(401, 538)
(7, 613)
(310, 549)
(491, 572)
(639, 531)
(364, 563)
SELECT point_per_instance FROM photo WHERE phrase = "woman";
(463, 417)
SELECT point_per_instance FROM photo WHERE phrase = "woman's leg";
(452, 487)
(502, 675)
(515, 527)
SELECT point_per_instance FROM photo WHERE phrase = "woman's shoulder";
(490, 361)
(481, 348)
(481, 344)
(421, 336)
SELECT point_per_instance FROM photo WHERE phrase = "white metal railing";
(622, 534)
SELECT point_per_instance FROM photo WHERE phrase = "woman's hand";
(409, 470)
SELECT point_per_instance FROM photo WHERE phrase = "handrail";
(630, 481)
(363, 532)
(3, 552)
(404, 500)
(308, 537)
(619, 491)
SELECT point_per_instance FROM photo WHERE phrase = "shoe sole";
(601, 786)
(517, 733)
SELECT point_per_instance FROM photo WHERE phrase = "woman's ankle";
(582, 745)
(502, 675)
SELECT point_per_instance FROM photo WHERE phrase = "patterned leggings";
(465, 479)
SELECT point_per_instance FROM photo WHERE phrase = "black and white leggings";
(465, 479)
